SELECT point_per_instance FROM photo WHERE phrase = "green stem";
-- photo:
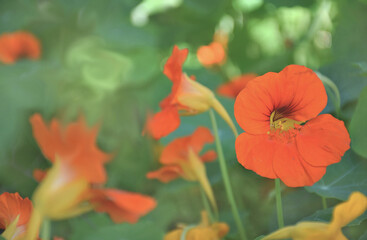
(46, 229)
(208, 208)
(324, 203)
(334, 88)
(279, 203)
(227, 184)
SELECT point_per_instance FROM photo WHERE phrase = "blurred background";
(104, 60)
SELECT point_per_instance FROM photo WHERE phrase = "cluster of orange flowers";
(72, 186)
(285, 138)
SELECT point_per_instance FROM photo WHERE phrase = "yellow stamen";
(282, 123)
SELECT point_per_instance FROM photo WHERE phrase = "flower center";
(279, 122)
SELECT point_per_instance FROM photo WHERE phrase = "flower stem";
(324, 203)
(227, 184)
(46, 229)
(279, 203)
(336, 94)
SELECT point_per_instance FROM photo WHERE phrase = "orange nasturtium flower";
(187, 97)
(284, 138)
(215, 52)
(18, 44)
(14, 215)
(181, 158)
(232, 88)
(73, 184)
(343, 214)
(202, 231)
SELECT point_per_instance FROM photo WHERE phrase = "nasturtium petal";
(255, 152)
(290, 167)
(327, 137)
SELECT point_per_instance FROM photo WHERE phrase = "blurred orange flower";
(284, 138)
(203, 231)
(181, 158)
(187, 97)
(343, 214)
(74, 144)
(14, 215)
(18, 44)
(215, 52)
(232, 88)
(73, 184)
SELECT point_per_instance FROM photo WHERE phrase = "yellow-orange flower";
(343, 214)
(203, 231)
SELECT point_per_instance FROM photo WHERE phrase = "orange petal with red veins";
(12, 205)
(163, 123)
(323, 140)
(122, 206)
(209, 156)
(254, 105)
(165, 174)
(290, 167)
(296, 93)
(256, 153)
(303, 92)
(173, 66)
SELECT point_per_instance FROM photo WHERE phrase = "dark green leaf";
(343, 178)
(358, 126)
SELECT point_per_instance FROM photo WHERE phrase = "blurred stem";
(185, 231)
(336, 94)
(46, 229)
(324, 203)
(227, 184)
(207, 207)
(279, 203)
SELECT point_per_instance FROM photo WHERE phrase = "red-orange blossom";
(284, 136)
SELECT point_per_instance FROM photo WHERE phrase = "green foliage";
(358, 127)
(343, 178)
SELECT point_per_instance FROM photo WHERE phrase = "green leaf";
(343, 178)
(140, 231)
(358, 127)
(348, 78)
(364, 236)
(260, 237)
